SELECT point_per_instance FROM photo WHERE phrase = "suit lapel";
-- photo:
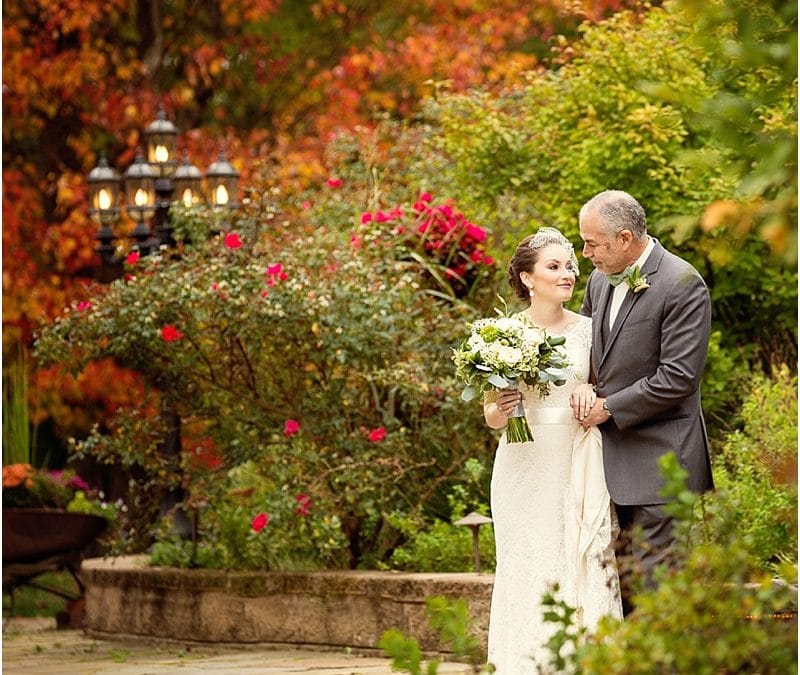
(603, 303)
(649, 269)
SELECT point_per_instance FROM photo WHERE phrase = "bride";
(550, 506)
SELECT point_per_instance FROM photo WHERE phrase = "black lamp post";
(151, 183)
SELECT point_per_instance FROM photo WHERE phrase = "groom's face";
(609, 253)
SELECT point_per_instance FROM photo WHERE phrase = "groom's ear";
(625, 238)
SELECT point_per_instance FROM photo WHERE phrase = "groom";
(650, 320)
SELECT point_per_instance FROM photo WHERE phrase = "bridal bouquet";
(503, 351)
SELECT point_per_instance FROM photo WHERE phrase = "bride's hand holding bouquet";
(503, 351)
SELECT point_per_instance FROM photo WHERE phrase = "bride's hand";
(507, 400)
(581, 400)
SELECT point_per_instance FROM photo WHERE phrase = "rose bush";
(322, 366)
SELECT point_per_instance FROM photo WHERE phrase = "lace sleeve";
(583, 331)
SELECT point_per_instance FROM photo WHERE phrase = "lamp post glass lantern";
(188, 183)
(161, 137)
(104, 188)
(104, 185)
(221, 183)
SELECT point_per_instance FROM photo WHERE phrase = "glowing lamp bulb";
(104, 199)
(161, 154)
(140, 198)
(187, 197)
(221, 195)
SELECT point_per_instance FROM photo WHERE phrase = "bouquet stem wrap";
(517, 429)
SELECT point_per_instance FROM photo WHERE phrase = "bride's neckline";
(574, 321)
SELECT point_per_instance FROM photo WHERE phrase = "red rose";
(259, 522)
(303, 504)
(170, 334)
(232, 240)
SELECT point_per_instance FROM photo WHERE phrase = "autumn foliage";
(270, 81)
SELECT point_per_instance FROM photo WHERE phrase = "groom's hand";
(596, 416)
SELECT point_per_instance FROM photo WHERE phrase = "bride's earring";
(530, 290)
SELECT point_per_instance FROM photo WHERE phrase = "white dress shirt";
(622, 289)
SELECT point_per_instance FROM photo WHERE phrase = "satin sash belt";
(551, 416)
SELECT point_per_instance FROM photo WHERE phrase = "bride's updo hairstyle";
(527, 254)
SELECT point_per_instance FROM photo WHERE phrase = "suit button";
(601, 384)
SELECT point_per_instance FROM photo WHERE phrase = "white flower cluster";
(503, 351)
(506, 344)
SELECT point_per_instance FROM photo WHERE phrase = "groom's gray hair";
(617, 211)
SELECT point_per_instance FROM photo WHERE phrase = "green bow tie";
(616, 279)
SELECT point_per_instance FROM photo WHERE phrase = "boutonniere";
(636, 281)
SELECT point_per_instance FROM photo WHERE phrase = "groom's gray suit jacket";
(649, 367)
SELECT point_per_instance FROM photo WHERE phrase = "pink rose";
(291, 427)
(475, 232)
(377, 435)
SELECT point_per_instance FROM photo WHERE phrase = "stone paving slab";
(35, 647)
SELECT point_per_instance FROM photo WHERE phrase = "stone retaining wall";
(126, 597)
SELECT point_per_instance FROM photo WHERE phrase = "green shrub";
(250, 519)
(432, 543)
(444, 547)
(758, 465)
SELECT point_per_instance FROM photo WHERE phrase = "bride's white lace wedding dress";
(552, 523)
